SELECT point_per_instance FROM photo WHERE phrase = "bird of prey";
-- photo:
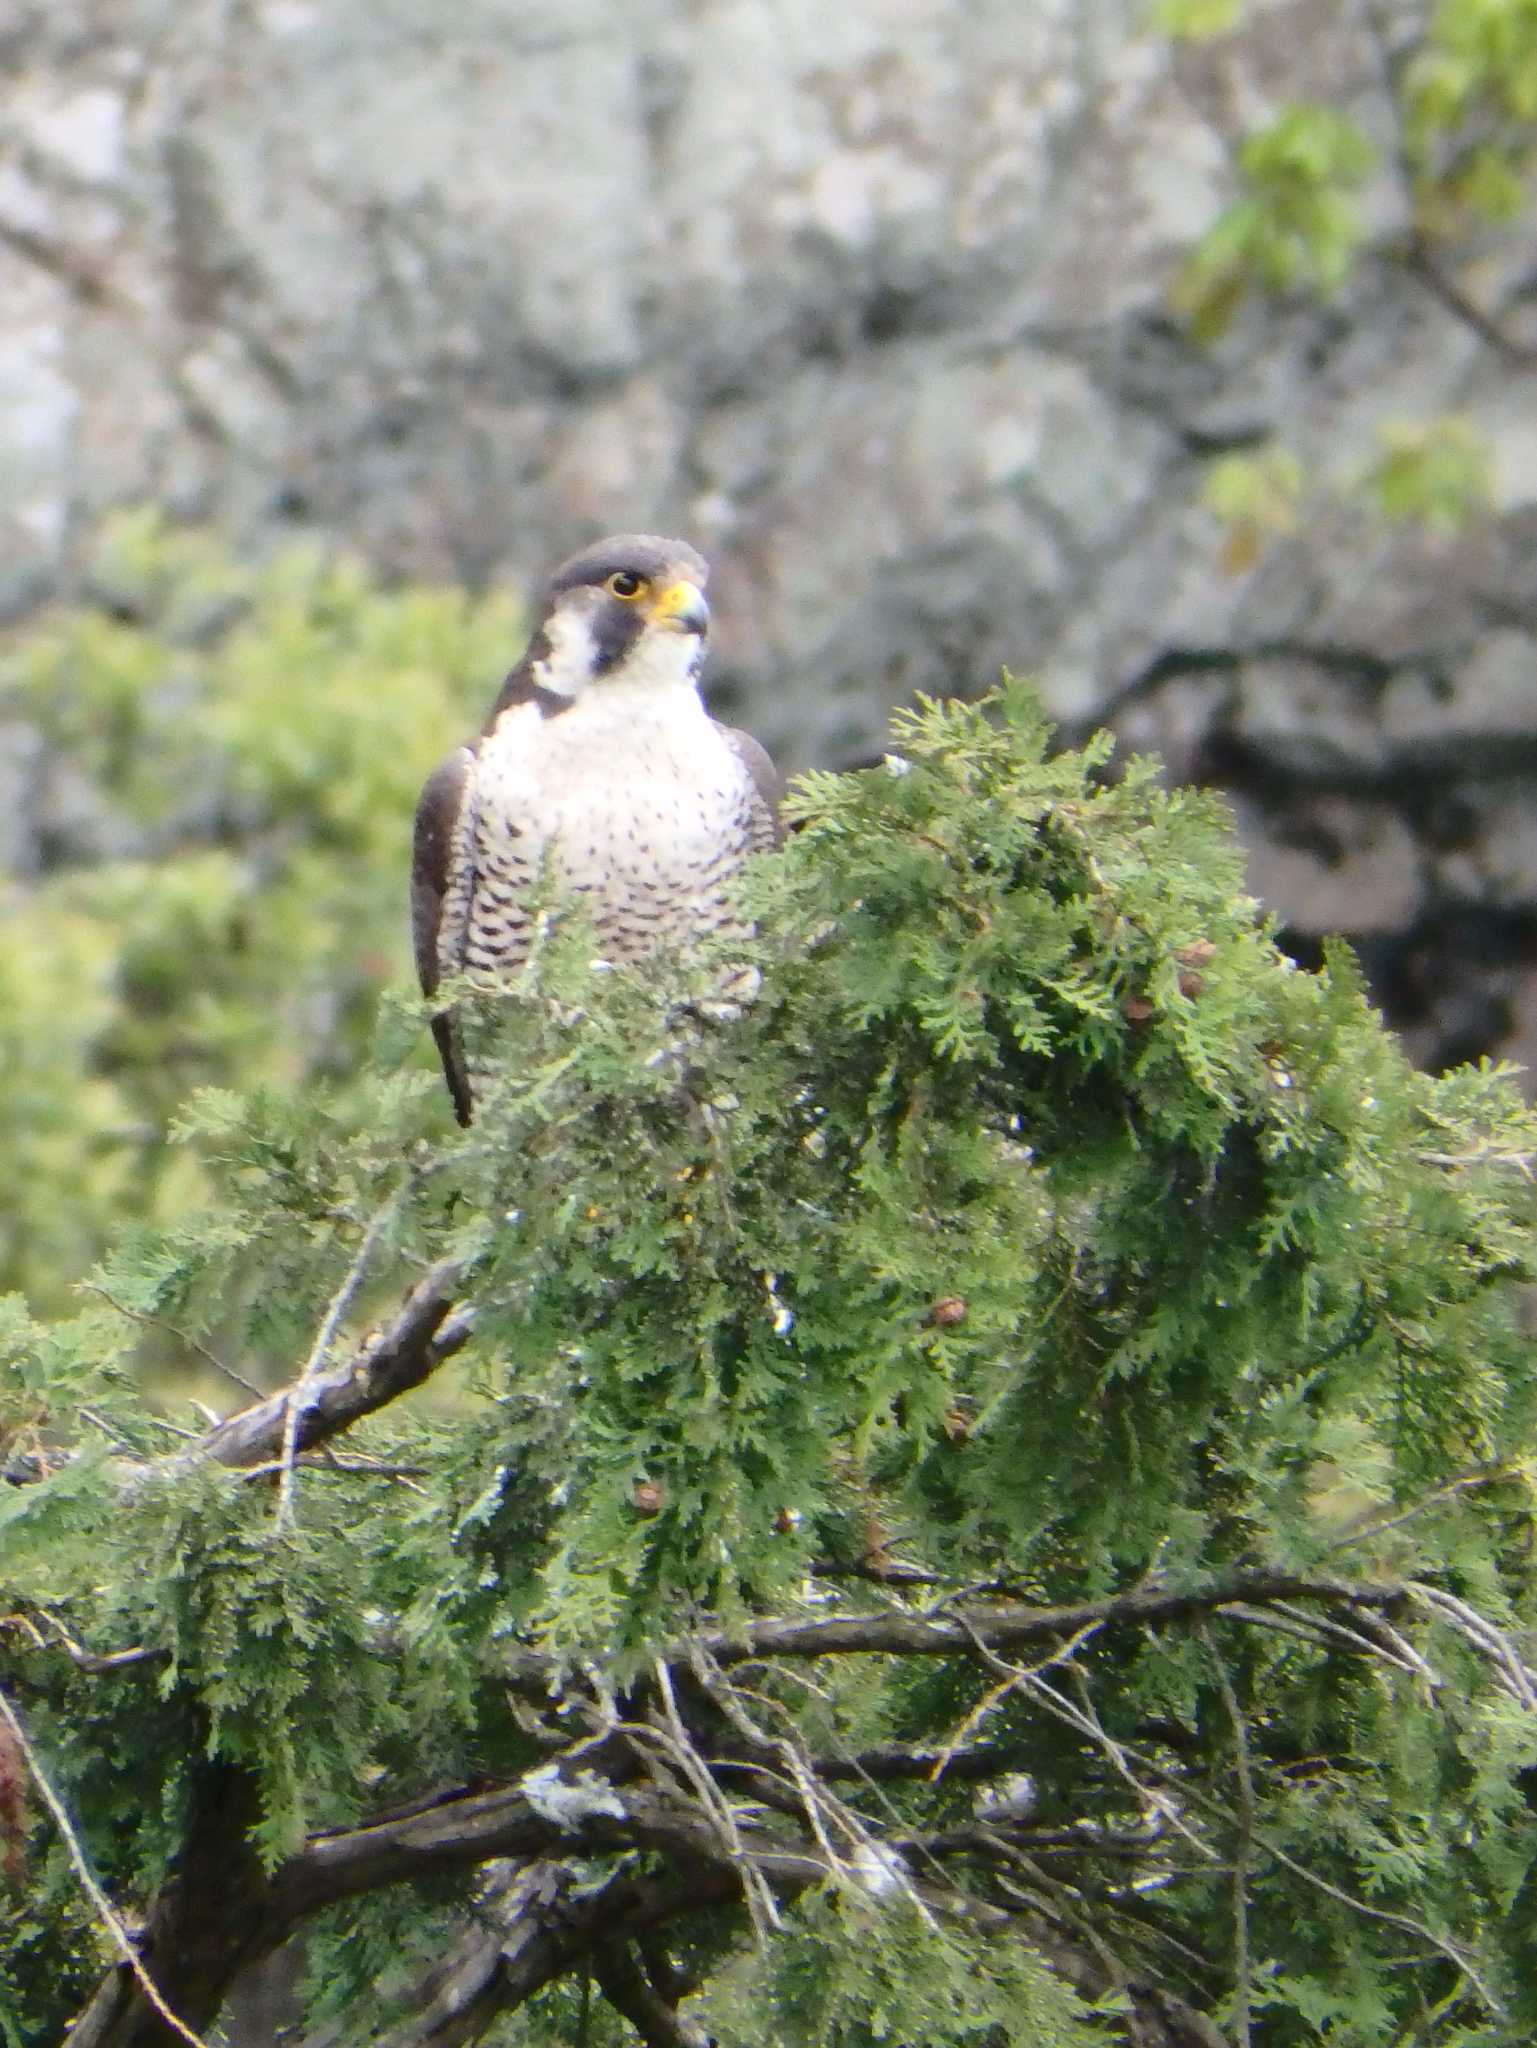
(599, 765)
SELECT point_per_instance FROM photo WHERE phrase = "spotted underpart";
(600, 774)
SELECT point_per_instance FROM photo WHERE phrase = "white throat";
(567, 668)
(660, 660)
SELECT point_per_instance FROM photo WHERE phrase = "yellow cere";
(677, 597)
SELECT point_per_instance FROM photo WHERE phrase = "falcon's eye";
(625, 583)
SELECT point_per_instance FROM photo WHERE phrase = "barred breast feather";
(641, 804)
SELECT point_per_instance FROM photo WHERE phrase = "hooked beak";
(682, 606)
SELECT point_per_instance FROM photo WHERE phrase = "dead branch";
(1005, 1626)
(300, 1393)
(427, 1329)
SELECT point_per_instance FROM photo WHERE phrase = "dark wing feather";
(768, 786)
(437, 820)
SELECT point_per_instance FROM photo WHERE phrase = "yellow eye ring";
(624, 583)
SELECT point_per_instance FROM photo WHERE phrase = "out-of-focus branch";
(457, 1833)
(1421, 263)
(466, 1988)
(631, 1993)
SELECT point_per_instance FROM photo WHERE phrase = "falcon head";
(628, 609)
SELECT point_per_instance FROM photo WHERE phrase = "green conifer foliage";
(981, 1501)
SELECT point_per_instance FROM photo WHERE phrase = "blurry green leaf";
(1295, 228)
(1470, 109)
(1195, 20)
(1256, 498)
(1438, 476)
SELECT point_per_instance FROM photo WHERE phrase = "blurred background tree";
(228, 760)
(1178, 352)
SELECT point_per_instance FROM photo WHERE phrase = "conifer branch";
(542, 1944)
(427, 1329)
(1004, 1626)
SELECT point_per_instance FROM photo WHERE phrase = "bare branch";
(298, 1394)
(426, 1330)
(734, 1852)
(630, 1992)
(875, 1766)
(681, 1751)
(1011, 1681)
(135, 1315)
(1520, 355)
(1243, 1844)
(1008, 1625)
(529, 1931)
(1184, 1791)
(459, 1832)
(1512, 1672)
(1374, 1523)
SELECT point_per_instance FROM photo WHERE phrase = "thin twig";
(1519, 355)
(137, 1315)
(1243, 1843)
(94, 1663)
(1014, 1677)
(1360, 1641)
(867, 1768)
(1443, 1948)
(106, 1912)
(1466, 1484)
(1475, 1628)
(1391, 1644)
(1087, 1722)
(761, 1908)
(425, 1330)
(341, 1301)
(113, 1435)
(343, 1468)
(814, 1800)
(1447, 1949)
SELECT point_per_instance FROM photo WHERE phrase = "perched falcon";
(600, 758)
